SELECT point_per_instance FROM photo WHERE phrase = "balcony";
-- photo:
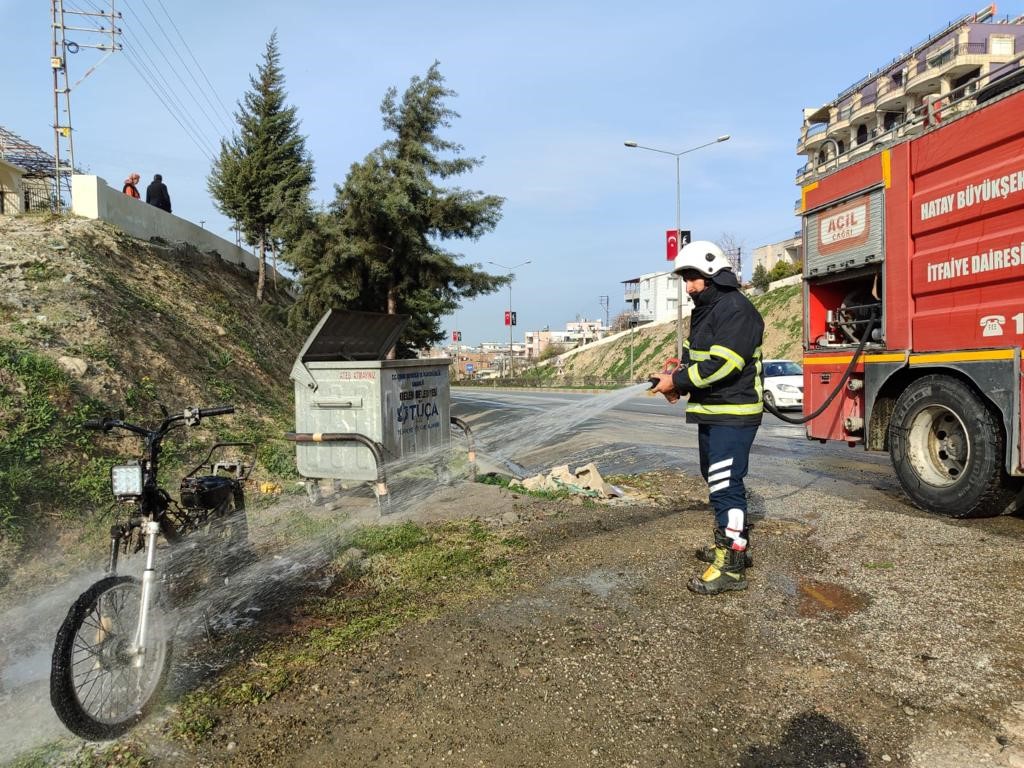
(813, 135)
(865, 106)
(843, 115)
(890, 94)
(953, 61)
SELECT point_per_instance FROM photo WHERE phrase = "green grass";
(39, 421)
(770, 302)
(408, 573)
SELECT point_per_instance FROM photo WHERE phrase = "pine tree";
(263, 174)
(389, 218)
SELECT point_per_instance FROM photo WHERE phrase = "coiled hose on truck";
(870, 326)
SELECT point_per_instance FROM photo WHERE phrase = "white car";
(783, 384)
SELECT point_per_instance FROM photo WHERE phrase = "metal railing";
(887, 86)
(946, 56)
(814, 129)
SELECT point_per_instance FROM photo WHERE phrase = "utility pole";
(62, 46)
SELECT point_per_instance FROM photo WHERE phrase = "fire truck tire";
(947, 449)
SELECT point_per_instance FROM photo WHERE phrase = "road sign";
(469, 367)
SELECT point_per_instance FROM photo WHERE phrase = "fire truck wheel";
(947, 448)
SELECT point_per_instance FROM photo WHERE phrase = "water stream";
(289, 559)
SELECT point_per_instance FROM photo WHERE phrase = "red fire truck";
(914, 300)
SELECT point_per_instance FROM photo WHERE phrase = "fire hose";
(869, 327)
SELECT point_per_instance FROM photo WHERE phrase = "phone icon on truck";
(992, 325)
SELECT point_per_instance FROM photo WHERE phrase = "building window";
(1000, 45)
(862, 134)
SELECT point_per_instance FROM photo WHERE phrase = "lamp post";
(679, 233)
(510, 276)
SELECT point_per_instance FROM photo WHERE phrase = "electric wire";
(162, 89)
(141, 68)
(172, 72)
(188, 70)
(167, 74)
(213, 91)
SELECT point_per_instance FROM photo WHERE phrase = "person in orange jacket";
(130, 187)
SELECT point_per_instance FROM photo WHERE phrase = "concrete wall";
(93, 199)
(791, 280)
(10, 189)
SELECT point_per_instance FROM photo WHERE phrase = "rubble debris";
(585, 481)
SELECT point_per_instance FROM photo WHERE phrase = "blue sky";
(547, 92)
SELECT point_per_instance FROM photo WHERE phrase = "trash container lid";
(345, 334)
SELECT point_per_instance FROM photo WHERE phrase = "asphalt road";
(639, 433)
(643, 433)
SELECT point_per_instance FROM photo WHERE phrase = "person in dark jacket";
(156, 194)
(721, 373)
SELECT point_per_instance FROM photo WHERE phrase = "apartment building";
(942, 72)
(654, 297)
(790, 251)
(575, 334)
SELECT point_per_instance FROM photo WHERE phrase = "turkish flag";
(671, 244)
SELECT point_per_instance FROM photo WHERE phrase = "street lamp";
(679, 232)
(510, 276)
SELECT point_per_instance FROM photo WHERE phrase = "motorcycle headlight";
(126, 480)
(788, 388)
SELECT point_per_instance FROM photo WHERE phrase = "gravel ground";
(867, 637)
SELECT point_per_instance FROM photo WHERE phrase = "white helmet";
(701, 256)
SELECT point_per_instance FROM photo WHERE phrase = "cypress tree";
(263, 174)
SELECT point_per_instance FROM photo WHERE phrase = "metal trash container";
(343, 385)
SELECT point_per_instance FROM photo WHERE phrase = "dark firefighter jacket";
(721, 365)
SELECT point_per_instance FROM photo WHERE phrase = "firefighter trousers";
(724, 458)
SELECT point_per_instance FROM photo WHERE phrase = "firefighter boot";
(725, 573)
(707, 554)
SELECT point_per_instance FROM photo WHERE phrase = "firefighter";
(721, 373)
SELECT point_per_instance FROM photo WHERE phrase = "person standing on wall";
(156, 194)
(130, 187)
(721, 373)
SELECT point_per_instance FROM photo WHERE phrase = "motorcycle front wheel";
(98, 687)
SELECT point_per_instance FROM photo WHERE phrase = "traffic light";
(513, 318)
(508, 317)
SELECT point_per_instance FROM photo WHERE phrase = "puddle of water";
(822, 599)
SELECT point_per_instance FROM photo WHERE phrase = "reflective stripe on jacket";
(721, 365)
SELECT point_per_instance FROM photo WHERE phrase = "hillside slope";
(95, 322)
(632, 356)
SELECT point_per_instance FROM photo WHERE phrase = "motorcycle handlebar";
(94, 424)
(217, 410)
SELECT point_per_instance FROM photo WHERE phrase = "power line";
(199, 66)
(165, 92)
(188, 70)
(172, 98)
(138, 64)
(173, 72)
